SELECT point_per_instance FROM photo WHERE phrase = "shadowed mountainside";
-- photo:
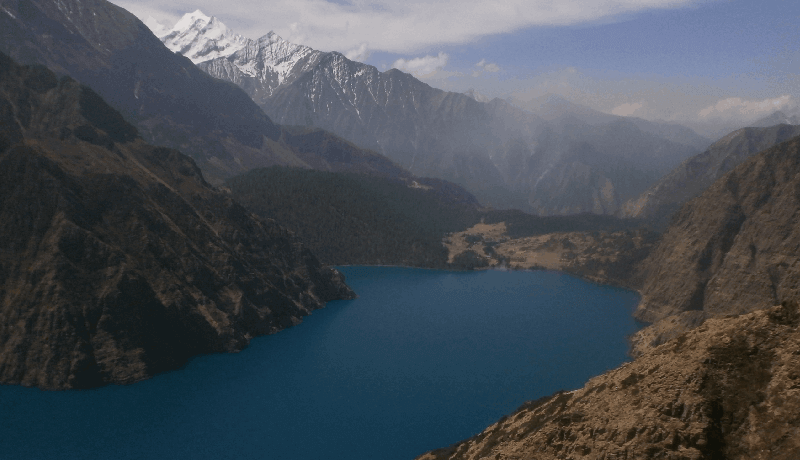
(351, 219)
(659, 203)
(117, 260)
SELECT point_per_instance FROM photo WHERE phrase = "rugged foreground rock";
(727, 390)
(117, 260)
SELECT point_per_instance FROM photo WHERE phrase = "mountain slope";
(696, 174)
(117, 260)
(353, 219)
(170, 101)
(777, 118)
(731, 250)
(164, 95)
(577, 161)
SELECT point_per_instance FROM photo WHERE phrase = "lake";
(422, 359)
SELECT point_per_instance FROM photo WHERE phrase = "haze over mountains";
(696, 174)
(118, 259)
(170, 101)
(563, 159)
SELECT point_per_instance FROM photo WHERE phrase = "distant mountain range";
(565, 158)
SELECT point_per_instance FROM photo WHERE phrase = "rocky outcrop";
(732, 250)
(658, 204)
(117, 259)
(727, 390)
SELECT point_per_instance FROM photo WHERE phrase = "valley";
(174, 192)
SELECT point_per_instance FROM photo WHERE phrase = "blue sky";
(702, 62)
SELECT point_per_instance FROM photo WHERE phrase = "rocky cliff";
(117, 259)
(731, 250)
(728, 390)
(695, 175)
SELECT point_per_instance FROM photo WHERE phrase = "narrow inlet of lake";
(422, 359)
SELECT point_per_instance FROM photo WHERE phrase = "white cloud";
(627, 109)
(742, 109)
(487, 66)
(155, 26)
(422, 66)
(360, 54)
(483, 66)
(390, 25)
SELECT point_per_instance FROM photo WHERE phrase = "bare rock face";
(117, 259)
(727, 390)
(732, 250)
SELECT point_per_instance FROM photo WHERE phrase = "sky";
(709, 64)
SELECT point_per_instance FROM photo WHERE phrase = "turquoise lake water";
(422, 359)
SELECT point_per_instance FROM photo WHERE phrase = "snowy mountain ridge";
(201, 38)
(573, 160)
(266, 63)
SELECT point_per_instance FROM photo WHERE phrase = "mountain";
(261, 66)
(455, 136)
(201, 38)
(693, 176)
(731, 250)
(728, 390)
(568, 165)
(164, 95)
(552, 107)
(477, 96)
(354, 219)
(117, 259)
(777, 118)
(169, 100)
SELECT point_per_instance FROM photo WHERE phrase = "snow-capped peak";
(201, 38)
(190, 20)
